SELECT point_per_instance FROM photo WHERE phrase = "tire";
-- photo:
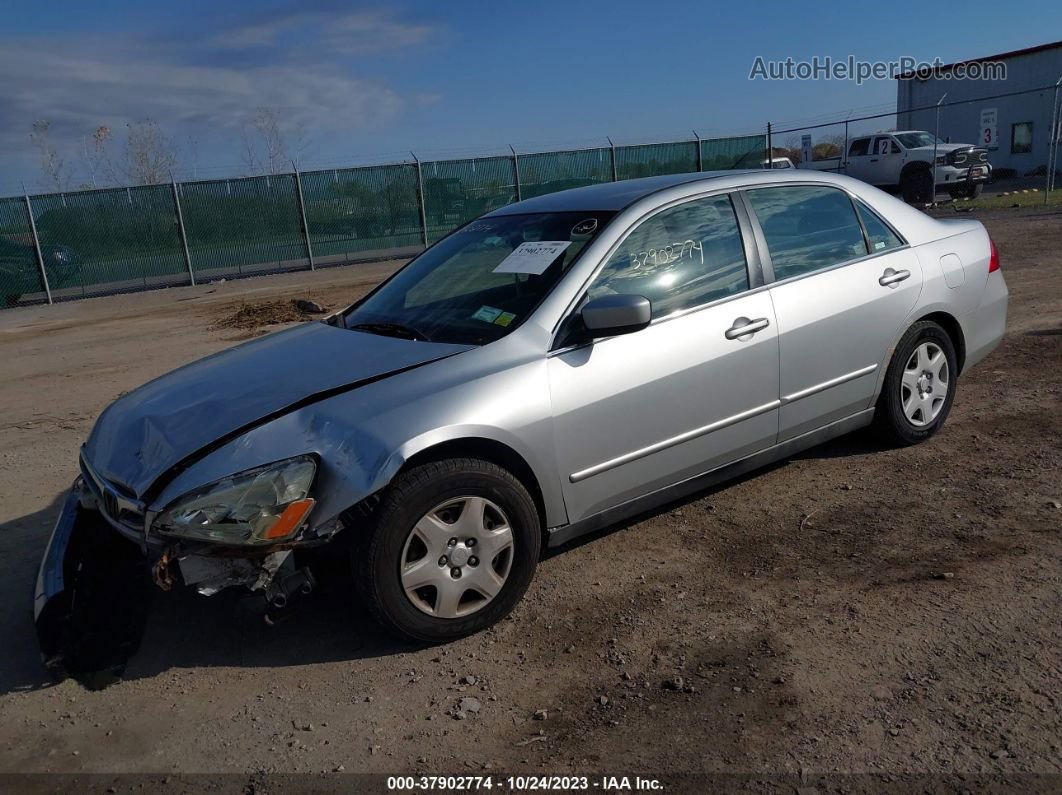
(901, 394)
(427, 495)
(916, 186)
(968, 192)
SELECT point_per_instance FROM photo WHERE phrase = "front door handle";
(745, 327)
(892, 277)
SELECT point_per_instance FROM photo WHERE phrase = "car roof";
(611, 195)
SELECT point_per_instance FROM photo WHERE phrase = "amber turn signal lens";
(290, 519)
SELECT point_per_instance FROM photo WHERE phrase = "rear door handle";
(891, 277)
(743, 326)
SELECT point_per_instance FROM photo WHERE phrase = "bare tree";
(794, 149)
(98, 160)
(834, 143)
(274, 142)
(269, 144)
(150, 155)
(249, 153)
(52, 163)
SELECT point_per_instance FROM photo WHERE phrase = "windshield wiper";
(391, 330)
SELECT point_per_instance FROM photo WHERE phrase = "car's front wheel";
(919, 386)
(450, 550)
(916, 185)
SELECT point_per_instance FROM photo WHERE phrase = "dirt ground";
(853, 610)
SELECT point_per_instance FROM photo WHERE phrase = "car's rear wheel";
(452, 547)
(919, 386)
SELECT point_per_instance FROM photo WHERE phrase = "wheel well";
(951, 325)
(486, 450)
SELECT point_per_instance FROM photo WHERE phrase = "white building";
(1016, 128)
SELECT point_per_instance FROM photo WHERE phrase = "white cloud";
(353, 33)
(202, 88)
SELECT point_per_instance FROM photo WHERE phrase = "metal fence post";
(770, 147)
(37, 248)
(933, 167)
(843, 168)
(1052, 143)
(420, 197)
(516, 171)
(302, 215)
(700, 162)
(181, 231)
(612, 149)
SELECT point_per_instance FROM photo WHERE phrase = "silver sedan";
(546, 370)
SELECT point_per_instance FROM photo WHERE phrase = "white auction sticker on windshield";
(533, 258)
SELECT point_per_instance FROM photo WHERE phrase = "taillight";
(993, 260)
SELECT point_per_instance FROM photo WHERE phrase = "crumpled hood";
(147, 431)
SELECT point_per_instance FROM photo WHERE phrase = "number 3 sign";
(988, 136)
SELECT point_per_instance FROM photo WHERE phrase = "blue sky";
(369, 82)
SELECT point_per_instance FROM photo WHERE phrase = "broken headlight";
(260, 506)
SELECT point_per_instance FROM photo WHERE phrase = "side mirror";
(616, 314)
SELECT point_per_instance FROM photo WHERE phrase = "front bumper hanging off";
(95, 583)
(91, 599)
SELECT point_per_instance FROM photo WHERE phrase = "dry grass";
(252, 316)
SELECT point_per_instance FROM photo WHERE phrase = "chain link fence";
(1021, 131)
(62, 246)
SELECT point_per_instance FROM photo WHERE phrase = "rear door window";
(879, 236)
(859, 147)
(807, 228)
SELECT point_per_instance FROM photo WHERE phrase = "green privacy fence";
(648, 160)
(19, 269)
(456, 191)
(126, 238)
(243, 226)
(61, 246)
(357, 212)
(746, 151)
(549, 172)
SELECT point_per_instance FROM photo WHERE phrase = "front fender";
(364, 437)
(545, 475)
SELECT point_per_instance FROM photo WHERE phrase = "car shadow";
(186, 630)
(183, 629)
(859, 443)
(22, 543)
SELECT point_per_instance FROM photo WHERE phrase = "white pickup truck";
(901, 160)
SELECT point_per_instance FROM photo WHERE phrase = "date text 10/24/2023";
(607, 784)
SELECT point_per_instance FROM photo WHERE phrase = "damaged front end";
(91, 600)
(95, 580)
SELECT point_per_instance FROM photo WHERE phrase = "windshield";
(912, 140)
(482, 281)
